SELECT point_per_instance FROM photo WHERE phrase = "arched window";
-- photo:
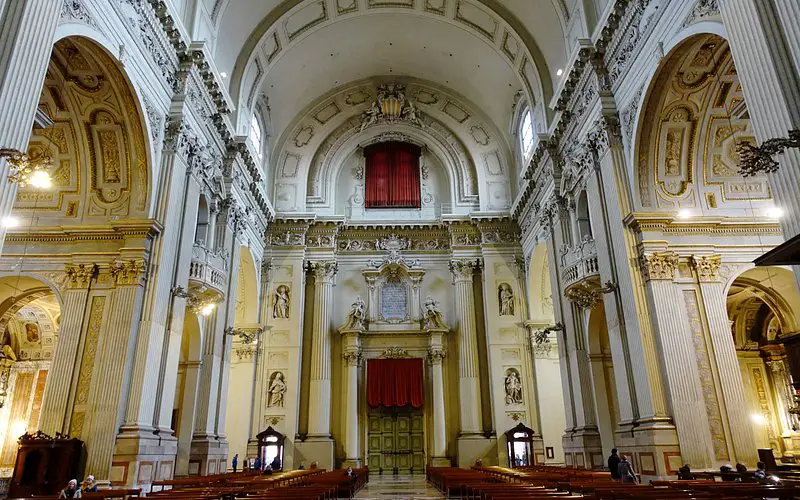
(526, 132)
(256, 136)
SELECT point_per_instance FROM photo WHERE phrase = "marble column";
(105, 395)
(75, 303)
(731, 386)
(352, 359)
(436, 355)
(673, 331)
(765, 43)
(469, 382)
(319, 420)
(27, 30)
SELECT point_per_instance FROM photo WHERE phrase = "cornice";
(666, 223)
(117, 230)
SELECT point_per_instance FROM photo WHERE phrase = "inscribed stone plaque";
(393, 301)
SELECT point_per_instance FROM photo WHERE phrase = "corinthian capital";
(707, 267)
(79, 276)
(436, 355)
(323, 270)
(352, 357)
(658, 265)
(463, 269)
(128, 272)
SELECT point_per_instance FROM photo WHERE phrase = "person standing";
(613, 464)
(626, 472)
(257, 463)
(235, 462)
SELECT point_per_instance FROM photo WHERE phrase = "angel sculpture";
(355, 319)
(433, 316)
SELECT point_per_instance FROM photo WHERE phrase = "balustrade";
(208, 268)
(580, 263)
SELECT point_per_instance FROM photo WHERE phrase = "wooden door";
(395, 441)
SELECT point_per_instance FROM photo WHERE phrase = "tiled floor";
(398, 487)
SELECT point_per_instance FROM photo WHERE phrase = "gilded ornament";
(658, 265)
(707, 267)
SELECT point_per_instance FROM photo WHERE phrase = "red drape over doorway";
(392, 175)
(394, 382)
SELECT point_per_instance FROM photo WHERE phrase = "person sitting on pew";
(257, 463)
(276, 463)
(761, 472)
(613, 464)
(89, 484)
(313, 465)
(302, 466)
(71, 491)
(351, 474)
(685, 473)
(268, 470)
(626, 472)
(727, 475)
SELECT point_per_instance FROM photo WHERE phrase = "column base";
(583, 448)
(652, 444)
(318, 449)
(474, 447)
(142, 457)
(355, 463)
(440, 462)
(208, 455)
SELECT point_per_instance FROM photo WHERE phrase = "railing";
(208, 268)
(580, 263)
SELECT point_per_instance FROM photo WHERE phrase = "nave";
(407, 487)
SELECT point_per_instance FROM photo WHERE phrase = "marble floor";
(398, 487)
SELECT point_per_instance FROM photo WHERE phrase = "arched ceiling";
(487, 50)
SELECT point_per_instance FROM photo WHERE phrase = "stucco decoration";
(694, 117)
(295, 21)
(97, 142)
(513, 387)
(477, 167)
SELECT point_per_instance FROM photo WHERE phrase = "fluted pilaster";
(680, 360)
(469, 382)
(436, 355)
(75, 301)
(107, 389)
(352, 359)
(731, 385)
(319, 419)
(766, 63)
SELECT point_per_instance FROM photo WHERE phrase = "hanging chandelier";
(26, 170)
(759, 159)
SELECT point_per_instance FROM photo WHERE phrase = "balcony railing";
(208, 269)
(580, 263)
(428, 212)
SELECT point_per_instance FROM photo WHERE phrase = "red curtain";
(392, 175)
(394, 382)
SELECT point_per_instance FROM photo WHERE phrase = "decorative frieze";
(658, 265)
(394, 353)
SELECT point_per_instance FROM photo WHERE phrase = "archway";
(241, 397)
(761, 304)
(186, 387)
(602, 372)
(30, 316)
(89, 125)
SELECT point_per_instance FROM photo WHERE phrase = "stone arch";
(477, 152)
(692, 116)
(97, 140)
(294, 20)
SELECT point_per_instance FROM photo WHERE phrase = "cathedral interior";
(398, 235)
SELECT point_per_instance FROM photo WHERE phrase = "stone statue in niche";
(433, 316)
(506, 296)
(281, 308)
(277, 388)
(355, 319)
(513, 387)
